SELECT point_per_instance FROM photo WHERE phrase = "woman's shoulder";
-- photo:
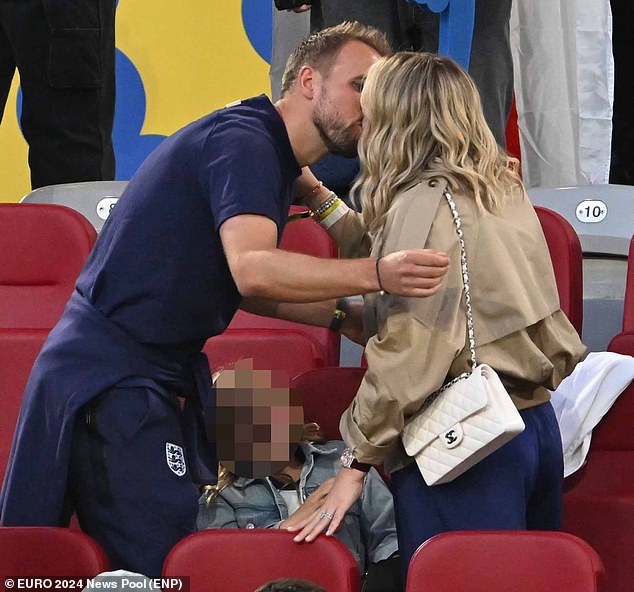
(411, 198)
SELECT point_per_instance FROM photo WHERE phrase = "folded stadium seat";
(49, 552)
(302, 236)
(521, 561)
(18, 350)
(602, 217)
(42, 250)
(220, 560)
(92, 199)
(567, 257)
(274, 349)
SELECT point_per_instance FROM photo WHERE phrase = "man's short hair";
(290, 585)
(321, 49)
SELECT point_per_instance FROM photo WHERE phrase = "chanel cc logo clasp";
(453, 436)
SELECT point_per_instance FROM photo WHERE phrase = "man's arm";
(262, 270)
(309, 313)
(319, 314)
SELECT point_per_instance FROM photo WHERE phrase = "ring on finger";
(325, 514)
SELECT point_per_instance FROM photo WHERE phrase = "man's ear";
(308, 81)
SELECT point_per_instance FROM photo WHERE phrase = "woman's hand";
(345, 491)
(308, 508)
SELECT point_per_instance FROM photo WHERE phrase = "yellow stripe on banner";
(15, 180)
(193, 57)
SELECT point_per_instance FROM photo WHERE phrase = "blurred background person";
(64, 51)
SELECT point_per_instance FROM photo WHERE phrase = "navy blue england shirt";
(158, 269)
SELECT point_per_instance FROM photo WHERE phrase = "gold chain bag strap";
(469, 417)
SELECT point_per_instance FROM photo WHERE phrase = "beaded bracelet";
(330, 204)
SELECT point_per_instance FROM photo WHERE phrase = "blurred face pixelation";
(337, 115)
(257, 424)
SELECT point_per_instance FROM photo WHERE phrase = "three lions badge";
(175, 459)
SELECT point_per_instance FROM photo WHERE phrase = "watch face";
(347, 458)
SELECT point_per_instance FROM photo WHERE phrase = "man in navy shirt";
(193, 237)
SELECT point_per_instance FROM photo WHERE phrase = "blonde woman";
(423, 131)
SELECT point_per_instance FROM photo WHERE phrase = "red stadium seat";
(220, 560)
(615, 432)
(275, 349)
(302, 236)
(18, 350)
(325, 393)
(628, 303)
(521, 561)
(49, 552)
(42, 250)
(567, 257)
(599, 507)
(606, 523)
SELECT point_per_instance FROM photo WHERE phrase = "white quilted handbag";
(468, 418)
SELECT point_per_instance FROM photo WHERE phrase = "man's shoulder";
(256, 111)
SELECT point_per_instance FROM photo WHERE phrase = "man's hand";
(307, 509)
(414, 272)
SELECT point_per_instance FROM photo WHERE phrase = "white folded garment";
(584, 397)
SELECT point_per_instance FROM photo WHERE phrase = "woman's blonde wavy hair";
(423, 117)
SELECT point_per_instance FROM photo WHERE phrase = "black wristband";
(355, 464)
(339, 315)
(382, 290)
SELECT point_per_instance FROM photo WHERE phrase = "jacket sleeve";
(217, 514)
(405, 365)
(353, 241)
(221, 514)
(416, 344)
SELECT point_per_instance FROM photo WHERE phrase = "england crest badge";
(175, 459)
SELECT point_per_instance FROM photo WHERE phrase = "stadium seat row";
(207, 561)
(43, 247)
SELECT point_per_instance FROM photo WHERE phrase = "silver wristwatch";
(349, 461)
